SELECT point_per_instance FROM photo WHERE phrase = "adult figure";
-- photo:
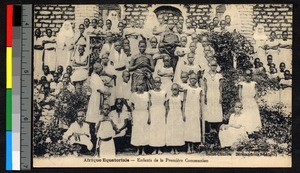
(142, 66)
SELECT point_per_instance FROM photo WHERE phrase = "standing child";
(248, 96)
(165, 72)
(175, 120)
(105, 130)
(213, 86)
(193, 113)
(158, 117)
(140, 117)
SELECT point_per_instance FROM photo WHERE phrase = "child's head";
(81, 49)
(238, 107)
(211, 26)
(60, 69)
(86, 22)
(270, 59)
(175, 89)
(118, 46)
(191, 58)
(105, 110)
(282, 66)
(140, 86)
(119, 104)
(256, 62)
(100, 23)
(287, 74)
(272, 65)
(94, 23)
(125, 76)
(55, 77)
(153, 42)
(43, 80)
(161, 47)
(248, 75)
(37, 32)
(193, 79)
(80, 116)
(204, 41)
(273, 35)
(183, 41)
(223, 24)
(98, 68)
(167, 60)
(66, 79)
(228, 19)
(105, 59)
(49, 32)
(142, 46)
(285, 35)
(108, 24)
(213, 65)
(193, 47)
(179, 28)
(216, 21)
(157, 82)
(46, 70)
(184, 77)
(81, 28)
(194, 37)
(126, 42)
(69, 70)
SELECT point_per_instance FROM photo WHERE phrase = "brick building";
(275, 17)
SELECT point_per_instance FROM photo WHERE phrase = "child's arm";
(221, 90)
(205, 90)
(167, 109)
(113, 125)
(148, 108)
(183, 108)
(240, 92)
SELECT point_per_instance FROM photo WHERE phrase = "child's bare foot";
(189, 152)
(143, 153)
(172, 152)
(160, 152)
(137, 153)
(154, 152)
(176, 152)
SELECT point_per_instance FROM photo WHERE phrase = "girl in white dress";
(140, 118)
(213, 86)
(106, 130)
(175, 119)
(158, 117)
(234, 131)
(165, 72)
(248, 96)
(38, 54)
(193, 113)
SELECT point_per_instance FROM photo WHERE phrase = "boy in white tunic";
(79, 133)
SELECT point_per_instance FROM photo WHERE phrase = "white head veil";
(65, 33)
(259, 33)
(149, 24)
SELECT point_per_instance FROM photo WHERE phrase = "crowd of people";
(161, 81)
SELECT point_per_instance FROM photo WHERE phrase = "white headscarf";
(65, 34)
(149, 24)
(259, 33)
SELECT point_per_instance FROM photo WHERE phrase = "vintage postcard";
(162, 85)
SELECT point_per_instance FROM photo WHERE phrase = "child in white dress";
(175, 119)
(106, 130)
(158, 117)
(193, 113)
(140, 118)
(234, 131)
(165, 72)
(248, 96)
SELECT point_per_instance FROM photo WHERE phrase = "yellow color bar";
(9, 67)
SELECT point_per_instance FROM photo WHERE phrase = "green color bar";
(9, 109)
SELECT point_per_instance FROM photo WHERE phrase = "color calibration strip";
(9, 23)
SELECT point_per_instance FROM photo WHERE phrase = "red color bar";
(9, 24)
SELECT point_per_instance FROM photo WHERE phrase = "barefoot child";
(193, 96)
(140, 118)
(105, 132)
(158, 117)
(175, 120)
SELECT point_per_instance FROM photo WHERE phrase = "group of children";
(135, 82)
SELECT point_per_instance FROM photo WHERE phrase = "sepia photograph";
(162, 85)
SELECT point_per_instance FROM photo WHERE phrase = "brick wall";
(197, 12)
(52, 16)
(85, 11)
(275, 17)
(135, 13)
